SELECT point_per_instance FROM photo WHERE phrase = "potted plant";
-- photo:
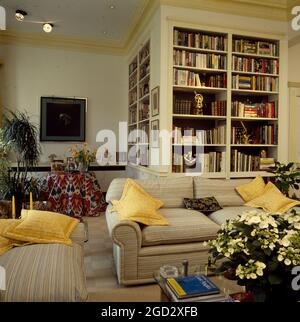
(19, 135)
(261, 249)
(287, 177)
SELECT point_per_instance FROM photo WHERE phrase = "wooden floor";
(100, 272)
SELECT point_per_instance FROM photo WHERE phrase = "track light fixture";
(47, 27)
(20, 15)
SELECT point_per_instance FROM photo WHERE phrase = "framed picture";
(155, 134)
(264, 48)
(63, 119)
(155, 101)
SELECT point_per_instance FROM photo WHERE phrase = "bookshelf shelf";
(145, 78)
(195, 117)
(145, 97)
(255, 145)
(203, 89)
(247, 174)
(204, 145)
(132, 88)
(200, 50)
(145, 59)
(145, 120)
(241, 93)
(207, 70)
(133, 104)
(254, 55)
(253, 119)
(254, 92)
(254, 73)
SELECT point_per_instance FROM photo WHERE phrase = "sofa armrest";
(123, 232)
(127, 239)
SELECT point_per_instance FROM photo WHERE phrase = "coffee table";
(226, 286)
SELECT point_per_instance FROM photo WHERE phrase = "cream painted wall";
(294, 65)
(31, 72)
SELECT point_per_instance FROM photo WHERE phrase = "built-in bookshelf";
(139, 107)
(238, 77)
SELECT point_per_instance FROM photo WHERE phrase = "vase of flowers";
(83, 155)
(262, 249)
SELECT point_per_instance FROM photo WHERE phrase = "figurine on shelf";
(245, 137)
(189, 159)
(198, 110)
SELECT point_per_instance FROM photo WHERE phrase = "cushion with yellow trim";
(272, 200)
(251, 190)
(43, 227)
(137, 205)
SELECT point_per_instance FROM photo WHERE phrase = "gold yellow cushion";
(7, 243)
(137, 205)
(43, 227)
(272, 200)
(251, 190)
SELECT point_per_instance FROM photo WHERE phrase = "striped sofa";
(46, 272)
(140, 250)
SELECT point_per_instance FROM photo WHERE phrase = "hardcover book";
(190, 286)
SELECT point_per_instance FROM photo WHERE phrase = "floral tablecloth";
(73, 194)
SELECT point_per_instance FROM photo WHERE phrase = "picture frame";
(264, 48)
(63, 119)
(155, 101)
(155, 133)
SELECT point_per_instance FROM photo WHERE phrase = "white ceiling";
(90, 19)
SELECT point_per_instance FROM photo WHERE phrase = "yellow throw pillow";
(6, 243)
(272, 200)
(43, 227)
(251, 190)
(137, 205)
(131, 185)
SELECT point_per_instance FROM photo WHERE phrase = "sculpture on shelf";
(245, 137)
(189, 159)
(198, 110)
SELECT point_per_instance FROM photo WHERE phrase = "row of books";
(199, 40)
(215, 135)
(132, 81)
(258, 83)
(185, 106)
(133, 67)
(255, 47)
(243, 162)
(188, 78)
(206, 163)
(144, 111)
(254, 65)
(266, 109)
(132, 96)
(264, 134)
(189, 59)
(132, 115)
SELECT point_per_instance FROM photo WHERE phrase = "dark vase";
(275, 294)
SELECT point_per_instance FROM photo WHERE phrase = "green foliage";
(286, 177)
(19, 135)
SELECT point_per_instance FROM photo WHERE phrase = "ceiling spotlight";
(47, 27)
(20, 15)
(112, 6)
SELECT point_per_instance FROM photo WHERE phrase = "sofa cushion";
(170, 191)
(185, 226)
(222, 215)
(44, 273)
(223, 190)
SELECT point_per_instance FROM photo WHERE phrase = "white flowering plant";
(259, 248)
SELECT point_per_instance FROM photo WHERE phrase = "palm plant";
(20, 136)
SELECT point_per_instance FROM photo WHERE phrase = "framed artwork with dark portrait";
(63, 119)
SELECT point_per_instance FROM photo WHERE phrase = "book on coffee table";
(191, 286)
